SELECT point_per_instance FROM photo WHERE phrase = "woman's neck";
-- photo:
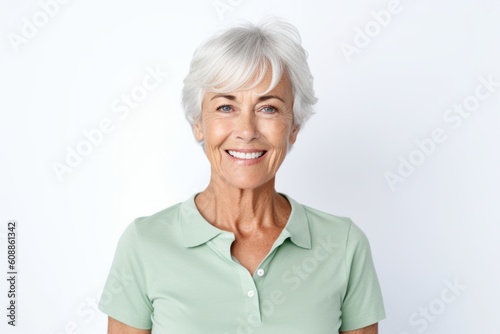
(243, 211)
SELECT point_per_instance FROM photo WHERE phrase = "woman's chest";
(292, 291)
(251, 252)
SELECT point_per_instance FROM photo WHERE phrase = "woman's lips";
(246, 154)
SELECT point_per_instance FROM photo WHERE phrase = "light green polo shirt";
(173, 272)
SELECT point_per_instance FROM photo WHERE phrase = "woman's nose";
(246, 126)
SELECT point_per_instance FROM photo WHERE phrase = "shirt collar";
(298, 224)
(196, 230)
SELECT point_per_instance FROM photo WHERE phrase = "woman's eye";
(225, 108)
(269, 109)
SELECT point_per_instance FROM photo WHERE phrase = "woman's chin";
(247, 183)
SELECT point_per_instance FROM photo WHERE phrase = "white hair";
(233, 58)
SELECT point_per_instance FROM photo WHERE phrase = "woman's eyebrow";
(260, 99)
(267, 97)
(226, 96)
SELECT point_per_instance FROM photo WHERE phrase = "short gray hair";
(230, 59)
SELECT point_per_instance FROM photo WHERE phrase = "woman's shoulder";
(317, 216)
(163, 224)
(323, 223)
(163, 217)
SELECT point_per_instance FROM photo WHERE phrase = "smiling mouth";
(246, 155)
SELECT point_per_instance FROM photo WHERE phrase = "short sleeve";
(362, 305)
(124, 297)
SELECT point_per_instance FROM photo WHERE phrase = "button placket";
(250, 283)
(251, 292)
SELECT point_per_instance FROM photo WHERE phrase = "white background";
(440, 225)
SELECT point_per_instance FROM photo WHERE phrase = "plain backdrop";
(390, 88)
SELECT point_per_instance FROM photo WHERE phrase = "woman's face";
(247, 135)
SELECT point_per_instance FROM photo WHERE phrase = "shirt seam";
(346, 270)
(140, 252)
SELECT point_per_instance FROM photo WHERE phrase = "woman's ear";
(198, 131)
(293, 134)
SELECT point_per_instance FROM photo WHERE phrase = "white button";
(260, 272)
(250, 293)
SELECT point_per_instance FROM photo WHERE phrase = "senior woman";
(240, 257)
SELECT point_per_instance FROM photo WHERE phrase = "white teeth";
(241, 155)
